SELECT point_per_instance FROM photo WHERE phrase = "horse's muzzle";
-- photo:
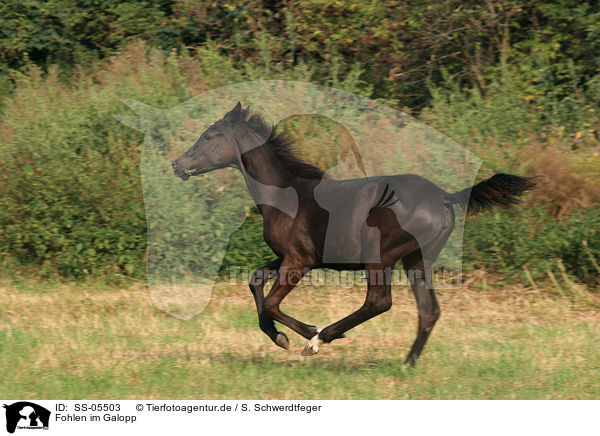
(179, 172)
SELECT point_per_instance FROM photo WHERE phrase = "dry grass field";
(85, 340)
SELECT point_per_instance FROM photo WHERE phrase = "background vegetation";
(514, 81)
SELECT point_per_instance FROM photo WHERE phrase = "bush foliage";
(515, 82)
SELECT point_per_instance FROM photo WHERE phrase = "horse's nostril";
(174, 164)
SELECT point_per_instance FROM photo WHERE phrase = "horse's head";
(216, 148)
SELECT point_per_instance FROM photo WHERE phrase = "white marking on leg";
(312, 347)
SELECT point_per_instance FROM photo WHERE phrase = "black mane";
(282, 147)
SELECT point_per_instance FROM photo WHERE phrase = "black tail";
(500, 190)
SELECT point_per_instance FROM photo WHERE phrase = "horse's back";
(417, 205)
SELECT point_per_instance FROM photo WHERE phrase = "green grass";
(79, 341)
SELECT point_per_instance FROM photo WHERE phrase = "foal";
(311, 221)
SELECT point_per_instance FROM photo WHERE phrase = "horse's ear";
(234, 114)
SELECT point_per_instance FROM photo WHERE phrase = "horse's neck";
(267, 180)
(261, 165)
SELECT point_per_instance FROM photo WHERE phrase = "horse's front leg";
(258, 280)
(377, 301)
(288, 278)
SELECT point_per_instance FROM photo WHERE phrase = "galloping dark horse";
(311, 221)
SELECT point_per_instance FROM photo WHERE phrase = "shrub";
(505, 241)
(70, 197)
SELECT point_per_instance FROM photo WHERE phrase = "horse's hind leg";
(257, 283)
(429, 311)
(377, 301)
(417, 266)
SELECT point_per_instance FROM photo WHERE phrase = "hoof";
(312, 347)
(282, 340)
(409, 363)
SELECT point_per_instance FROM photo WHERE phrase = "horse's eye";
(207, 138)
